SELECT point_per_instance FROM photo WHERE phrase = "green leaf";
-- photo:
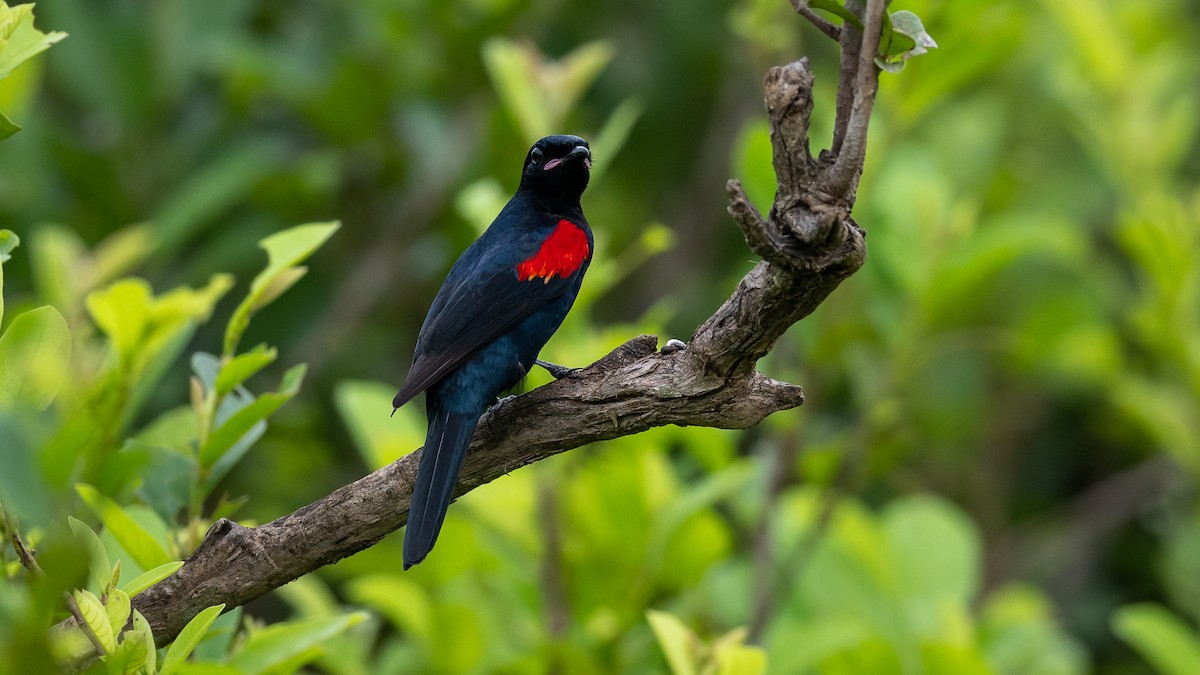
(7, 127)
(837, 8)
(122, 312)
(35, 352)
(935, 548)
(96, 619)
(513, 70)
(245, 419)
(150, 577)
(1172, 647)
(677, 641)
(19, 40)
(141, 545)
(539, 93)
(100, 571)
(612, 136)
(903, 38)
(285, 250)
(143, 634)
(8, 241)
(242, 367)
(188, 638)
(279, 643)
(740, 660)
(117, 607)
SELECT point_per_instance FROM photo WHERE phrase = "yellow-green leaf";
(141, 545)
(19, 40)
(96, 619)
(285, 250)
(242, 421)
(35, 352)
(678, 642)
(150, 577)
(242, 367)
(117, 607)
(188, 638)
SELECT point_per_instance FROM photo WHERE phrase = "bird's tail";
(445, 448)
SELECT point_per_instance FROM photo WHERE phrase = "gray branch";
(809, 244)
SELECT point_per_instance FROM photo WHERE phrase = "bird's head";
(558, 167)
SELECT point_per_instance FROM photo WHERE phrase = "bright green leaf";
(145, 550)
(837, 8)
(1172, 647)
(100, 571)
(117, 606)
(278, 643)
(19, 40)
(143, 634)
(188, 638)
(740, 660)
(677, 641)
(513, 68)
(245, 419)
(35, 352)
(150, 577)
(96, 619)
(242, 367)
(7, 127)
(285, 250)
(122, 312)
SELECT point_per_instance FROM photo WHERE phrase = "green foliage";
(687, 655)
(1171, 646)
(19, 42)
(185, 450)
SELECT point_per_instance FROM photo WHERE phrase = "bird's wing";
(473, 311)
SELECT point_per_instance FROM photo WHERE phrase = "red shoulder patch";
(560, 255)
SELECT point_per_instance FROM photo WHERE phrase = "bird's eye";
(535, 156)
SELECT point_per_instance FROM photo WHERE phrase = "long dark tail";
(445, 448)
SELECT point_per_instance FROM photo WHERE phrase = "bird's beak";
(575, 153)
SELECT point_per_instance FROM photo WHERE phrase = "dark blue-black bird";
(500, 303)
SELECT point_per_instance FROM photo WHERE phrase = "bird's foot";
(673, 346)
(501, 401)
(557, 371)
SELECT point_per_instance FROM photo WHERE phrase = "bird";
(503, 298)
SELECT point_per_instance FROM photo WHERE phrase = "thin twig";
(28, 561)
(817, 20)
(850, 156)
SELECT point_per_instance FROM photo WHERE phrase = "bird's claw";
(673, 346)
(501, 401)
(556, 371)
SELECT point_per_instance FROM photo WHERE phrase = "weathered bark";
(809, 244)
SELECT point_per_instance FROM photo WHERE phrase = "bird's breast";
(561, 254)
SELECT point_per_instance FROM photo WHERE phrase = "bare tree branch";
(802, 8)
(809, 244)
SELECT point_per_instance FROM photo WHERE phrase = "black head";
(557, 168)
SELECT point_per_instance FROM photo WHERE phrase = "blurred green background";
(995, 470)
